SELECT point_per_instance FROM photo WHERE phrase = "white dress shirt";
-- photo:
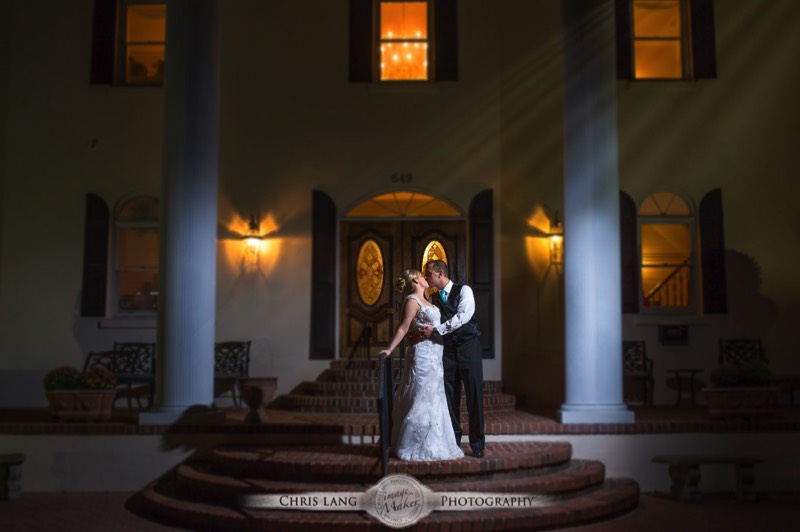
(466, 308)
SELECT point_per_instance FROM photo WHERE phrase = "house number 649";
(401, 178)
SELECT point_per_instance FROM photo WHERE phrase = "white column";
(186, 314)
(591, 217)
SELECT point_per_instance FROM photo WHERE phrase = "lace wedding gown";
(421, 423)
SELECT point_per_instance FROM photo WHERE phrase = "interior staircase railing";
(673, 290)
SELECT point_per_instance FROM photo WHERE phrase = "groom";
(462, 359)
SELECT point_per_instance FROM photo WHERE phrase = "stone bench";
(684, 471)
(11, 475)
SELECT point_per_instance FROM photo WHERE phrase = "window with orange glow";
(660, 34)
(142, 45)
(433, 251)
(370, 273)
(666, 232)
(136, 245)
(403, 41)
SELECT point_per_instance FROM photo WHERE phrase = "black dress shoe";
(477, 453)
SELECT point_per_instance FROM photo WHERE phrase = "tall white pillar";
(188, 250)
(591, 217)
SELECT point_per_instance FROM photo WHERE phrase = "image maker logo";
(396, 501)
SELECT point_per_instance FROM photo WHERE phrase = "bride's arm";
(409, 311)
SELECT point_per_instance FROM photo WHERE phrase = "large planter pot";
(87, 405)
(740, 402)
(257, 392)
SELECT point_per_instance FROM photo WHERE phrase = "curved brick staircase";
(202, 493)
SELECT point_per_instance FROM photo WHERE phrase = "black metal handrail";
(385, 393)
(362, 347)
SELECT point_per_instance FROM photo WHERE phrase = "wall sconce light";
(252, 241)
(555, 238)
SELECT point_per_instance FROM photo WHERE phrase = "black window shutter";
(712, 253)
(629, 252)
(95, 257)
(624, 44)
(704, 54)
(446, 38)
(481, 266)
(323, 268)
(103, 34)
(361, 42)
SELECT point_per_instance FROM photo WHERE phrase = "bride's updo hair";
(404, 284)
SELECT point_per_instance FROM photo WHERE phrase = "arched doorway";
(402, 227)
(379, 238)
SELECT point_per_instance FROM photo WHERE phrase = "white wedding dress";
(421, 423)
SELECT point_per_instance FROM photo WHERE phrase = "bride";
(421, 423)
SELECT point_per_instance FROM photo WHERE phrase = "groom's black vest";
(448, 309)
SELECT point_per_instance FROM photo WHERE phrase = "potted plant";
(742, 390)
(74, 395)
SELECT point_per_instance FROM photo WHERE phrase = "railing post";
(385, 394)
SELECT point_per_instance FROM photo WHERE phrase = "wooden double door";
(374, 254)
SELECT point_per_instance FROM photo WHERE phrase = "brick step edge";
(344, 462)
(204, 482)
(488, 400)
(611, 499)
(362, 387)
(363, 375)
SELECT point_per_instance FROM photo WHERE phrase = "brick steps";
(165, 500)
(370, 387)
(202, 493)
(351, 386)
(368, 403)
(207, 484)
(346, 462)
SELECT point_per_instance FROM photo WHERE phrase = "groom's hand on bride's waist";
(418, 335)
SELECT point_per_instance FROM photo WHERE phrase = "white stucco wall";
(291, 123)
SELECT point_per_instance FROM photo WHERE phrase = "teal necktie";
(443, 293)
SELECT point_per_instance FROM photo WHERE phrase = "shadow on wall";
(751, 314)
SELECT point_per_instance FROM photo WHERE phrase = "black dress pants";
(463, 364)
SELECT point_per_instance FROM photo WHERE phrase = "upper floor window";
(403, 40)
(395, 40)
(142, 34)
(128, 42)
(660, 40)
(665, 39)
(666, 229)
(136, 241)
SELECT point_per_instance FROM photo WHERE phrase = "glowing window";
(659, 39)
(666, 231)
(433, 251)
(136, 242)
(369, 272)
(403, 41)
(142, 42)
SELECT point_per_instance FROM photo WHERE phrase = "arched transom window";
(403, 204)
